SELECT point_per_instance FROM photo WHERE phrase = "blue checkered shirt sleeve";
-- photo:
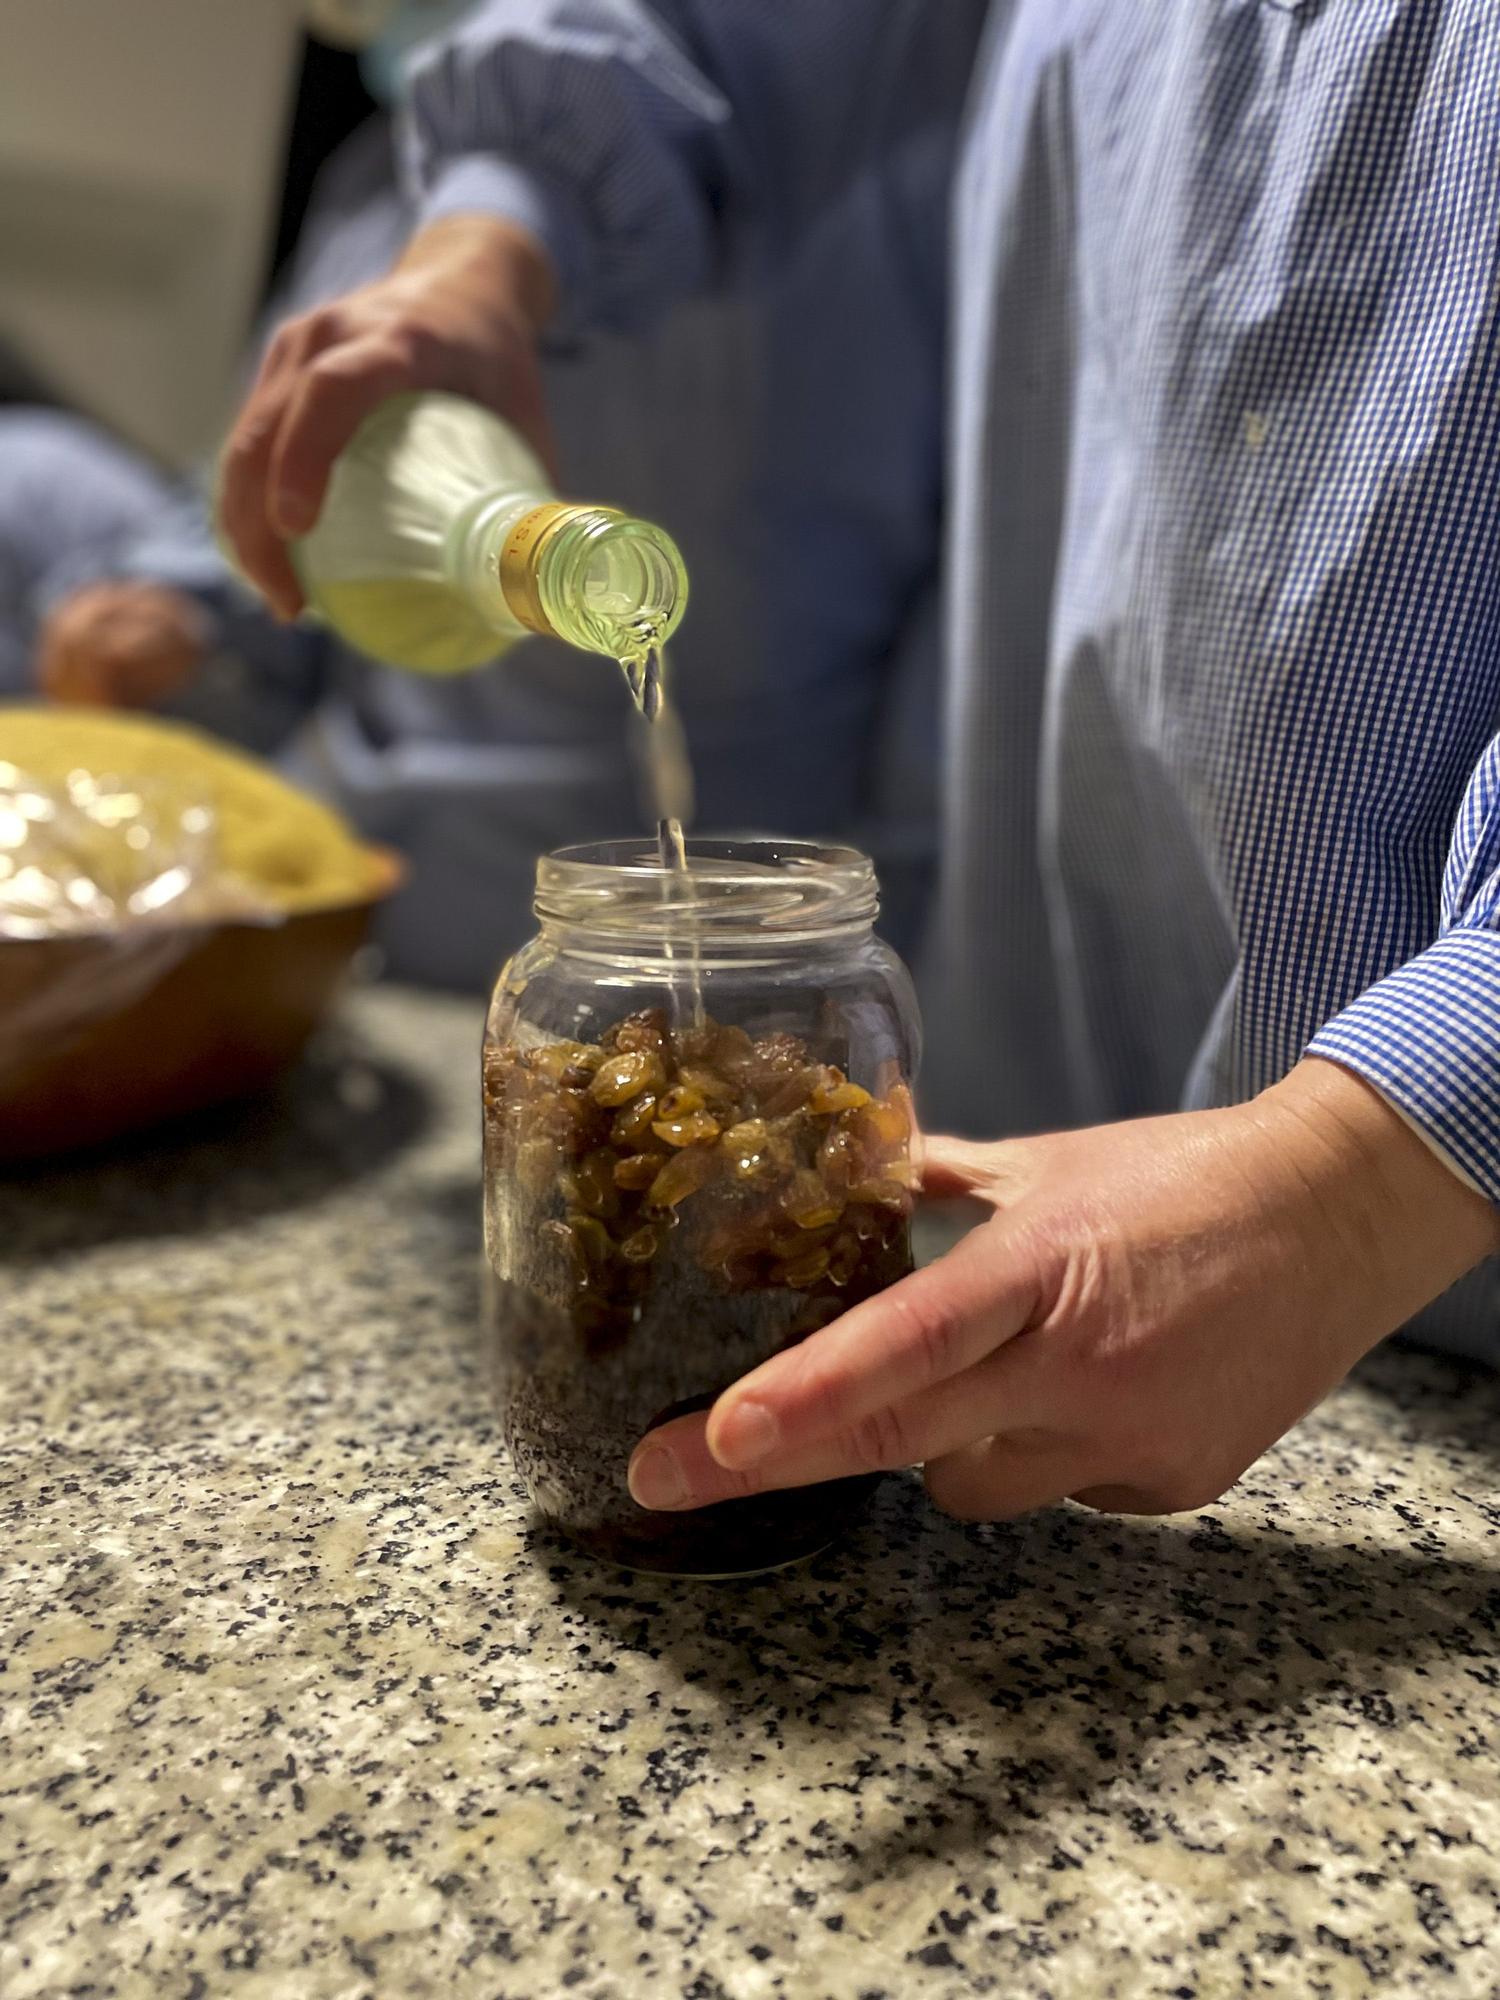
(1427, 1036)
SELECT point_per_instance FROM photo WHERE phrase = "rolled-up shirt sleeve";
(649, 144)
(1427, 1036)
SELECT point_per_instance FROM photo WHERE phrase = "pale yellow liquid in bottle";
(425, 625)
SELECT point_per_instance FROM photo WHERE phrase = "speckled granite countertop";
(296, 1704)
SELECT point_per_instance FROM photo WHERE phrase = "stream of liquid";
(670, 777)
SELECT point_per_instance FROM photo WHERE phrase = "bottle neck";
(591, 576)
(475, 554)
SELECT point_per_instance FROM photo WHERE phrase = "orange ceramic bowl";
(226, 1016)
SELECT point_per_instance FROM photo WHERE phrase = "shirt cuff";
(1427, 1037)
(490, 184)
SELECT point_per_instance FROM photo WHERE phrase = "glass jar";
(699, 1148)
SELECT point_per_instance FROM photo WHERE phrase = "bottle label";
(520, 557)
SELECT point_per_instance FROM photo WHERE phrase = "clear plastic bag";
(121, 875)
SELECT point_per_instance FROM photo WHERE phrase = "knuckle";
(825, 1398)
(414, 346)
(334, 369)
(319, 324)
(248, 441)
(929, 1330)
(879, 1442)
(340, 369)
(295, 336)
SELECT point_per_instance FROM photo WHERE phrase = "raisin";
(731, 1053)
(645, 1031)
(696, 1129)
(888, 1121)
(844, 1256)
(838, 1159)
(697, 1045)
(622, 1077)
(631, 1128)
(833, 1093)
(559, 1060)
(778, 1053)
(591, 1184)
(805, 1269)
(683, 1174)
(637, 1171)
(809, 1204)
(786, 1092)
(641, 1245)
(787, 1240)
(715, 1090)
(747, 1148)
(572, 1120)
(591, 1243)
(681, 1101)
(887, 1194)
(502, 1073)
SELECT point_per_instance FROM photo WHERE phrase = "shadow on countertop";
(962, 1680)
(340, 1115)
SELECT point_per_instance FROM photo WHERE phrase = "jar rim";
(750, 890)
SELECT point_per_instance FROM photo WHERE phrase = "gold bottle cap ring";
(521, 555)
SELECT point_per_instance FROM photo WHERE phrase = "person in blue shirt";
(740, 423)
(1221, 868)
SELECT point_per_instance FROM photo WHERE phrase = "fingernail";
(745, 1435)
(656, 1479)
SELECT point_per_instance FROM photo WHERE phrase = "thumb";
(996, 1172)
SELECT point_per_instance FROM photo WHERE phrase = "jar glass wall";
(699, 1149)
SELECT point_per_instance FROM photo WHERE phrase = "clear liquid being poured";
(670, 778)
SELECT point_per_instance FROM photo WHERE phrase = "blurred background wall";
(134, 268)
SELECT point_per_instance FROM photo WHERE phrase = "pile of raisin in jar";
(699, 1149)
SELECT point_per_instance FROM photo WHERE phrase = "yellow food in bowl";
(286, 846)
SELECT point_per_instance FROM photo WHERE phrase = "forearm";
(1401, 1222)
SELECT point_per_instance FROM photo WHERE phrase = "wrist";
(1409, 1222)
(499, 263)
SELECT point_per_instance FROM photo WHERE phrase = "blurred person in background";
(789, 437)
(1222, 794)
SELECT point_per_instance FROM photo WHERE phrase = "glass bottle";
(440, 544)
(699, 1149)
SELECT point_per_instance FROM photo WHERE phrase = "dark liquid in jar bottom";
(733, 1539)
(573, 1418)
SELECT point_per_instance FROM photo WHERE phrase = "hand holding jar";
(1148, 1308)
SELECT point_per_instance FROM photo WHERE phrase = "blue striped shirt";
(1222, 651)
